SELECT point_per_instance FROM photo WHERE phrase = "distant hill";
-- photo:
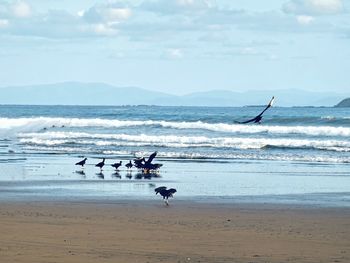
(343, 103)
(76, 93)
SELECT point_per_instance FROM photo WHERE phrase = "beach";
(148, 231)
(276, 192)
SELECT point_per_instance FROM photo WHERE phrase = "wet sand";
(186, 231)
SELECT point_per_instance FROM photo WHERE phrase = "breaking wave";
(15, 125)
(175, 141)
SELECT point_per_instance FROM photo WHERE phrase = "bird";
(148, 165)
(165, 193)
(151, 157)
(116, 165)
(151, 167)
(129, 165)
(101, 164)
(139, 162)
(258, 118)
(82, 162)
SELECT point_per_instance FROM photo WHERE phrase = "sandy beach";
(186, 231)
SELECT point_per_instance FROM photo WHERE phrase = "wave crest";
(15, 125)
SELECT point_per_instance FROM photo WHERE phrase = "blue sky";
(178, 46)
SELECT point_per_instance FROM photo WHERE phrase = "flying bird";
(165, 193)
(82, 162)
(258, 118)
(116, 165)
(101, 164)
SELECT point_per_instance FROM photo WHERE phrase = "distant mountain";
(344, 103)
(76, 93)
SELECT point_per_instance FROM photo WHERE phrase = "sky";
(178, 46)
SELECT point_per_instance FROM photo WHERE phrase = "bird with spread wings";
(258, 118)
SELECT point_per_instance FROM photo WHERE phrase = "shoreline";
(303, 201)
(148, 231)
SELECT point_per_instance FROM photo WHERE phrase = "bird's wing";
(256, 117)
(151, 157)
(244, 122)
(268, 106)
(158, 189)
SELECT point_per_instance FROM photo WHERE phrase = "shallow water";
(298, 155)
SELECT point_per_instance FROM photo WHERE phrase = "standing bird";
(165, 193)
(82, 162)
(149, 166)
(129, 165)
(101, 164)
(116, 165)
(258, 118)
(139, 162)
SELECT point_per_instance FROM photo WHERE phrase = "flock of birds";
(140, 163)
(146, 166)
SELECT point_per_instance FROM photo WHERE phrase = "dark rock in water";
(343, 103)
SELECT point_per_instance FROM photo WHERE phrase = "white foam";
(16, 125)
(241, 156)
(59, 138)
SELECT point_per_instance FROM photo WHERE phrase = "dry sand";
(147, 231)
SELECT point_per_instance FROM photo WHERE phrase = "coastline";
(186, 231)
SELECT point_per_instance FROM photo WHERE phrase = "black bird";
(101, 164)
(148, 166)
(151, 157)
(258, 118)
(82, 162)
(151, 167)
(165, 193)
(116, 165)
(139, 162)
(129, 165)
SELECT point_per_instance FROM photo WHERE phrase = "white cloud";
(304, 20)
(174, 53)
(4, 23)
(107, 13)
(21, 9)
(315, 7)
(102, 29)
(176, 6)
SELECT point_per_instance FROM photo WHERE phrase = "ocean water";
(295, 155)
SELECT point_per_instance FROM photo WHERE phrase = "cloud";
(166, 23)
(21, 9)
(313, 7)
(98, 20)
(304, 20)
(174, 53)
(166, 7)
(107, 13)
(4, 23)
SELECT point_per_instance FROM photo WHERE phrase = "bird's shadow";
(100, 175)
(116, 175)
(81, 172)
(129, 175)
(149, 175)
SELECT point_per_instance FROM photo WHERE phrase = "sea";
(296, 155)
